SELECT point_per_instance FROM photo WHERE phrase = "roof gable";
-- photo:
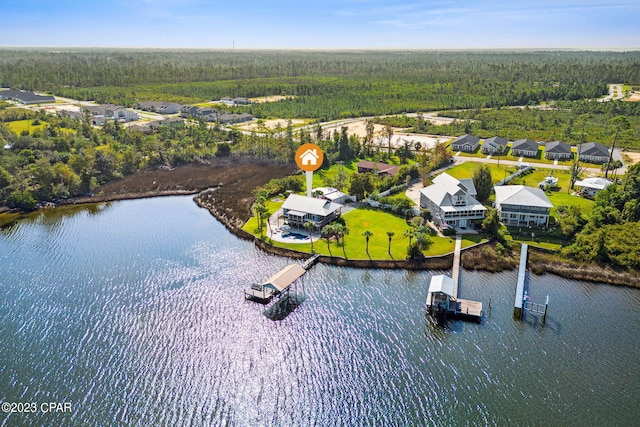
(557, 147)
(521, 195)
(525, 145)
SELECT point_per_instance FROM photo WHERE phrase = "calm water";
(134, 313)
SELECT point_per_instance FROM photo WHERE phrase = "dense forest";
(570, 121)
(55, 158)
(322, 85)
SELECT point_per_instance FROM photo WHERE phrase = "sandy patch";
(273, 98)
(633, 97)
(358, 128)
(635, 157)
(270, 124)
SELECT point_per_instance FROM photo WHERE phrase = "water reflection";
(137, 316)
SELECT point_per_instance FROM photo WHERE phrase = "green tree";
(367, 235)
(483, 183)
(390, 234)
(491, 223)
(620, 123)
(360, 184)
(309, 226)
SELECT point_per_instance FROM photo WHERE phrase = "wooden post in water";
(546, 305)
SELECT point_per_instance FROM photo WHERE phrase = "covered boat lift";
(275, 285)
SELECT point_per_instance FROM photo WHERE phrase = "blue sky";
(320, 24)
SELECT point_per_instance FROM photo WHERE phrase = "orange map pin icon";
(309, 157)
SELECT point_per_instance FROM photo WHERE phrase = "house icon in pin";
(309, 157)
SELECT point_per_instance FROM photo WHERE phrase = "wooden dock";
(520, 287)
(280, 283)
(523, 301)
(442, 298)
(455, 269)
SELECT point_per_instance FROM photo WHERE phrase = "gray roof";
(26, 97)
(445, 187)
(558, 147)
(593, 149)
(310, 205)
(495, 142)
(521, 196)
(466, 139)
(524, 145)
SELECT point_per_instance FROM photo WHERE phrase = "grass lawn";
(378, 222)
(20, 126)
(466, 169)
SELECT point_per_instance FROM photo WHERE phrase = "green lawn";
(19, 126)
(376, 221)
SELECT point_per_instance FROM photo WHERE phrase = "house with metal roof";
(524, 147)
(451, 201)
(494, 145)
(557, 150)
(522, 206)
(298, 210)
(467, 143)
(377, 168)
(592, 186)
(593, 152)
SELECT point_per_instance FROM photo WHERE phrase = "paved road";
(615, 92)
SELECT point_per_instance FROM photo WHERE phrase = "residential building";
(110, 111)
(494, 145)
(467, 143)
(120, 113)
(377, 168)
(451, 201)
(522, 206)
(162, 107)
(227, 118)
(298, 210)
(593, 152)
(524, 147)
(557, 150)
(236, 101)
(25, 97)
(333, 195)
(592, 186)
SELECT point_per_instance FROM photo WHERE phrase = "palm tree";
(367, 235)
(341, 231)
(260, 209)
(390, 234)
(329, 231)
(309, 226)
(409, 233)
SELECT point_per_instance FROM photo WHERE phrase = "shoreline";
(228, 185)
(536, 263)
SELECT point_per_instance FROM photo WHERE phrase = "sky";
(323, 24)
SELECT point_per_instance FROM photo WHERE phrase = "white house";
(592, 186)
(522, 206)
(333, 195)
(301, 209)
(451, 201)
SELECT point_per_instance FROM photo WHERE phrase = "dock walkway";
(520, 287)
(455, 270)
(443, 293)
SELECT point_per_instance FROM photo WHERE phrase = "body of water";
(133, 314)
